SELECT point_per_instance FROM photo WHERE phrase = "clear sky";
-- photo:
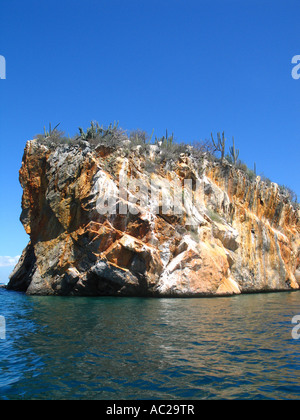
(192, 66)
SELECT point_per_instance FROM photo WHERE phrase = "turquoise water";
(135, 348)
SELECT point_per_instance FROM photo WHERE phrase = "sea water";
(148, 348)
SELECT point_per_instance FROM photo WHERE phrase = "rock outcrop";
(205, 229)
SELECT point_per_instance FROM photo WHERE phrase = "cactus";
(150, 138)
(85, 136)
(95, 130)
(112, 128)
(220, 146)
(82, 133)
(50, 132)
(234, 152)
(167, 141)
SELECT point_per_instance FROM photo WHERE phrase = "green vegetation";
(234, 152)
(97, 133)
(220, 145)
(165, 149)
(50, 132)
(214, 216)
(290, 195)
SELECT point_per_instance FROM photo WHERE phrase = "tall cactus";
(170, 140)
(167, 140)
(50, 132)
(234, 152)
(150, 138)
(220, 145)
(95, 130)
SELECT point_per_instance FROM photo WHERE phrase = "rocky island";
(110, 215)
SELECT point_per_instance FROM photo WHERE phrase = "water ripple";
(111, 348)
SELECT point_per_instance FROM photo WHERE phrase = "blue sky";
(192, 66)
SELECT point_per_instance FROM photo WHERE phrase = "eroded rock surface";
(227, 236)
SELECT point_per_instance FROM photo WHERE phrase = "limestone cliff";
(227, 236)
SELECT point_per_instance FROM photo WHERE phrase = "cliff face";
(189, 228)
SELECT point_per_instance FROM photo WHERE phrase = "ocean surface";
(138, 348)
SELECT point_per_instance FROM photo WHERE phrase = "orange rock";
(233, 236)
